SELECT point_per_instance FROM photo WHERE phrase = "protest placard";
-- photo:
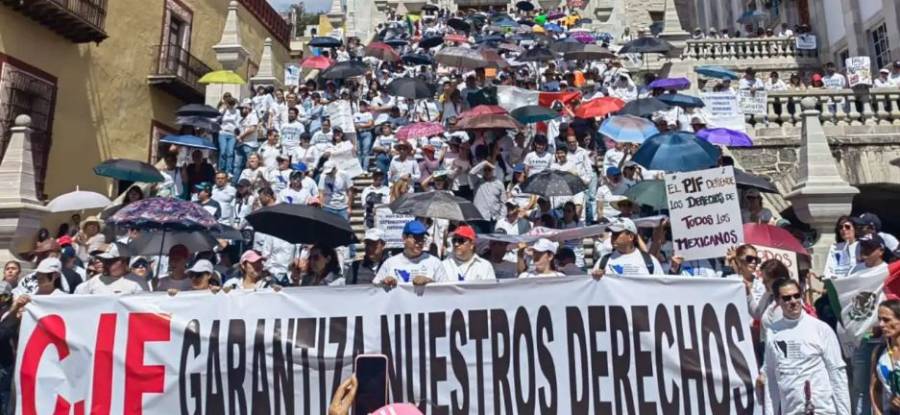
(859, 70)
(291, 75)
(788, 258)
(724, 111)
(527, 346)
(341, 115)
(806, 41)
(347, 163)
(391, 226)
(706, 216)
(753, 102)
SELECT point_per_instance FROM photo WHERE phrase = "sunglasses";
(459, 241)
(847, 226)
(787, 298)
(750, 259)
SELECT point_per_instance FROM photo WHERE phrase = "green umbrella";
(129, 170)
(540, 19)
(649, 192)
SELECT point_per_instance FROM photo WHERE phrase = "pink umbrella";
(316, 62)
(398, 409)
(419, 130)
(483, 110)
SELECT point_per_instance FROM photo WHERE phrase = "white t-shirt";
(612, 158)
(290, 136)
(108, 285)
(225, 196)
(321, 140)
(296, 197)
(398, 168)
(476, 269)
(404, 269)
(309, 156)
(630, 264)
(505, 269)
(834, 81)
(537, 163)
(532, 274)
(269, 153)
(335, 190)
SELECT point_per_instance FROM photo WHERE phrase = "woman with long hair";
(884, 392)
(400, 188)
(323, 267)
(843, 253)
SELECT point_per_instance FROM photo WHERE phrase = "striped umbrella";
(628, 128)
(419, 130)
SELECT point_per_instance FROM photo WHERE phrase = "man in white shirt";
(833, 79)
(883, 80)
(805, 372)
(413, 265)
(278, 252)
(463, 264)
(895, 74)
(404, 165)
(540, 159)
(626, 259)
(321, 140)
(364, 122)
(373, 195)
(248, 140)
(750, 82)
(223, 193)
(290, 132)
(335, 190)
(296, 193)
(113, 281)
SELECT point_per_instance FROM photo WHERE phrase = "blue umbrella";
(682, 100)
(129, 170)
(191, 141)
(490, 38)
(628, 128)
(676, 151)
(531, 114)
(553, 27)
(506, 22)
(417, 59)
(717, 72)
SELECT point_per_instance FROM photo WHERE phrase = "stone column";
(672, 30)
(20, 209)
(820, 194)
(266, 74)
(231, 54)
(336, 17)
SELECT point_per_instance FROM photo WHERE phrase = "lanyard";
(462, 277)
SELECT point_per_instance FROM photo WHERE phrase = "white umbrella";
(78, 200)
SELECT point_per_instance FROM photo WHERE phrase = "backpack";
(648, 261)
(372, 199)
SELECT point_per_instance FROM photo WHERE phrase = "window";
(28, 90)
(880, 48)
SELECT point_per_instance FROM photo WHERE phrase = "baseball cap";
(884, 70)
(49, 266)
(244, 183)
(870, 219)
(519, 168)
(299, 166)
(329, 167)
(373, 235)
(251, 256)
(622, 224)
(545, 245)
(414, 227)
(613, 171)
(246, 103)
(203, 186)
(465, 231)
(111, 252)
(201, 266)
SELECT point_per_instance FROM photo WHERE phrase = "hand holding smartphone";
(372, 377)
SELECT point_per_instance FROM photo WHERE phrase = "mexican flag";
(855, 300)
(511, 97)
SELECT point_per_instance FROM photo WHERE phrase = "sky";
(311, 5)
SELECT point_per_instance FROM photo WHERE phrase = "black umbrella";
(417, 59)
(344, 70)
(747, 180)
(538, 54)
(589, 52)
(430, 42)
(430, 7)
(325, 42)
(197, 110)
(160, 242)
(412, 88)
(129, 170)
(396, 42)
(554, 183)
(459, 24)
(528, 22)
(205, 123)
(301, 224)
(226, 232)
(643, 107)
(436, 204)
(646, 45)
(564, 46)
(525, 6)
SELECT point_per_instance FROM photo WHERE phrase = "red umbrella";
(456, 38)
(382, 51)
(488, 121)
(772, 237)
(419, 130)
(483, 110)
(316, 62)
(599, 107)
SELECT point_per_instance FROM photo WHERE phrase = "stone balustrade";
(838, 107)
(742, 49)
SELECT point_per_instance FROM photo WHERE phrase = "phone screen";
(371, 392)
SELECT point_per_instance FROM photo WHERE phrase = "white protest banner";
(341, 115)
(753, 102)
(806, 41)
(706, 216)
(291, 75)
(347, 163)
(545, 345)
(859, 70)
(788, 258)
(724, 111)
(391, 226)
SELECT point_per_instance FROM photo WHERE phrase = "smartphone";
(372, 383)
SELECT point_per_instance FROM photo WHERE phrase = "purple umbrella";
(583, 37)
(671, 83)
(725, 137)
(164, 214)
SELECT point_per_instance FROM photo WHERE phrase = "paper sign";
(291, 75)
(391, 226)
(341, 115)
(706, 216)
(788, 258)
(753, 102)
(724, 111)
(859, 70)
(347, 163)
(806, 41)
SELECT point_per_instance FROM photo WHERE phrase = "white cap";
(373, 234)
(201, 266)
(49, 266)
(622, 224)
(112, 252)
(329, 166)
(545, 245)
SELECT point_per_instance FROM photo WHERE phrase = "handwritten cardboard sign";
(706, 216)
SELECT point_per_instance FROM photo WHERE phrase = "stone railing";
(838, 107)
(745, 49)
